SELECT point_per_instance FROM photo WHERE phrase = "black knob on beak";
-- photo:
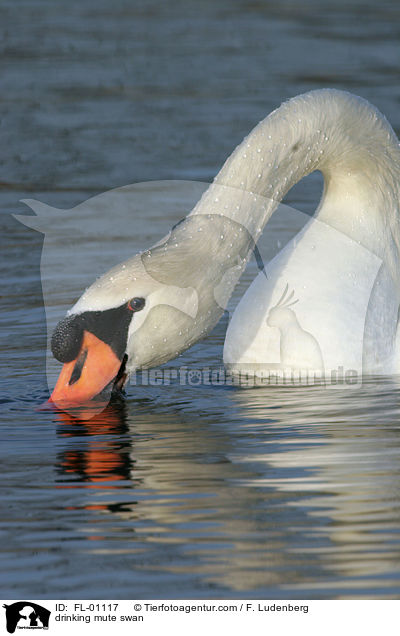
(67, 339)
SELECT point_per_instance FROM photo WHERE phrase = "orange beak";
(82, 379)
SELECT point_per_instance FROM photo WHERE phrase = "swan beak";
(85, 377)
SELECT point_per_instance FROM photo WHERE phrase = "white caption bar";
(236, 617)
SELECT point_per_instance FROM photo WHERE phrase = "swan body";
(344, 266)
(333, 278)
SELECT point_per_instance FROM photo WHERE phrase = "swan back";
(350, 293)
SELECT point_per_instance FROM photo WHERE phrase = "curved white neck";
(341, 135)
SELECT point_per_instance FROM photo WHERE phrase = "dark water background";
(181, 491)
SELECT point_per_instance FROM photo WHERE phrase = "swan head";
(126, 320)
(143, 312)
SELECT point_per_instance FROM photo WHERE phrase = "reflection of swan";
(298, 497)
(298, 348)
(338, 461)
(157, 304)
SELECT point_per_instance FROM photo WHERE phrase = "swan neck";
(341, 135)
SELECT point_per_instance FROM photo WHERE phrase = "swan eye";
(136, 304)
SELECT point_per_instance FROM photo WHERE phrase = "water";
(181, 491)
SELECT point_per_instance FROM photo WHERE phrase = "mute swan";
(343, 267)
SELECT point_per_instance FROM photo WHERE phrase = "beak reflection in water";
(97, 462)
